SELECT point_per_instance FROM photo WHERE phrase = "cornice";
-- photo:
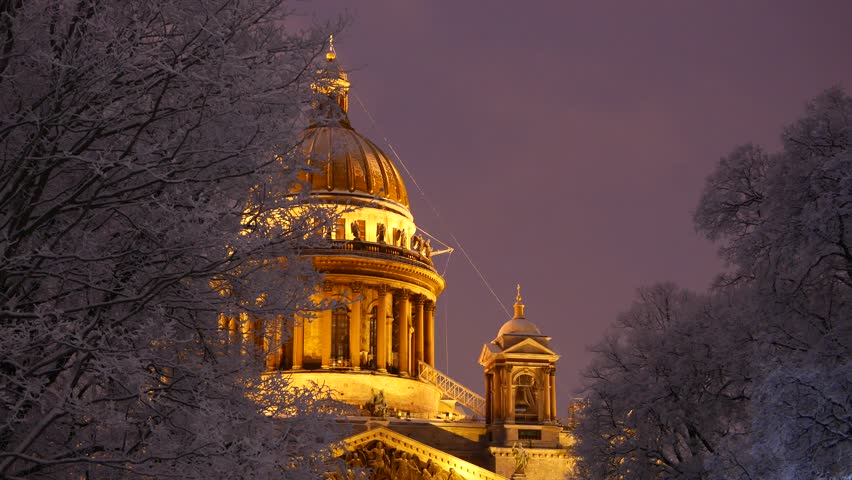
(423, 277)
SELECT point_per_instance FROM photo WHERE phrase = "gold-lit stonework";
(392, 455)
(380, 284)
(374, 343)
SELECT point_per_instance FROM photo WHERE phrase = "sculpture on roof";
(381, 230)
(377, 405)
(521, 458)
(385, 463)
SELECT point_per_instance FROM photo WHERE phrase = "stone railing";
(453, 389)
(378, 250)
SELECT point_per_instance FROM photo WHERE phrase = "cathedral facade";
(375, 343)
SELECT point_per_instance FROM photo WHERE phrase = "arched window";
(340, 336)
(526, 407)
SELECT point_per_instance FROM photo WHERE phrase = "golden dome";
(518, 326)
(346, 162)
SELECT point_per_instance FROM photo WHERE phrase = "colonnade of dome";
(375, 326)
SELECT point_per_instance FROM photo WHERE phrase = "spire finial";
(332, 82)
(331, 54)
(519, 307)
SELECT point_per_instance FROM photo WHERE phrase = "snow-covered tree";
(754, 380)
(784, 222)
(667, 392)
(146, 170)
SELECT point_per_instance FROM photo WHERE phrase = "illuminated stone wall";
(356, 388)
(541, 464)
(313, 351)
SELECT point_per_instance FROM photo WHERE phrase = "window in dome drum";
(340, 229)
(362, 228)
(371, 353)
(340, 337)
(395, 236)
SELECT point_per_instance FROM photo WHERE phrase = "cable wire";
(434, 210)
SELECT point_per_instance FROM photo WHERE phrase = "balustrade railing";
(380, 249)
(453, 389)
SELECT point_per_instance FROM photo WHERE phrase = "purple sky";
(565, 146)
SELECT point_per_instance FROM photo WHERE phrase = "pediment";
(390, 455)
(531, 347)
(487, 353)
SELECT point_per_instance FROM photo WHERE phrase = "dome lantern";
(519, 307)
(332, 90)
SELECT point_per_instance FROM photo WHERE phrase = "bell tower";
(520, 397)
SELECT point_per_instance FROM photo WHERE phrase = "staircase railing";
(453, 389)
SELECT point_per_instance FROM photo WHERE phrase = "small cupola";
(518, 327)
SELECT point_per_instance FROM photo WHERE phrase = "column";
(355, 327)
(429, 327)
(489, 395)
(272, 338)
(404, 318)
(244, 332)
(510, 418)
(324, 318)
(234, 338)
(544, 411)
(325, 337)
(223, 324)
(497, 388)
(225, 328)
(389, 330)
(298, 342)
(412, 362)
(418, 332)
(553, 394)
(382, 328)
(506, 406)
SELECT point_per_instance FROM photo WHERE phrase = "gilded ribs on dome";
(345, 161)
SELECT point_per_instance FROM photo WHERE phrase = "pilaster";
(272, 338)
(325, 327)
(552, 377)
(298, 342)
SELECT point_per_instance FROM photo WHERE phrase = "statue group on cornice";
(379, 462)
(417, 243)
(377, 405)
